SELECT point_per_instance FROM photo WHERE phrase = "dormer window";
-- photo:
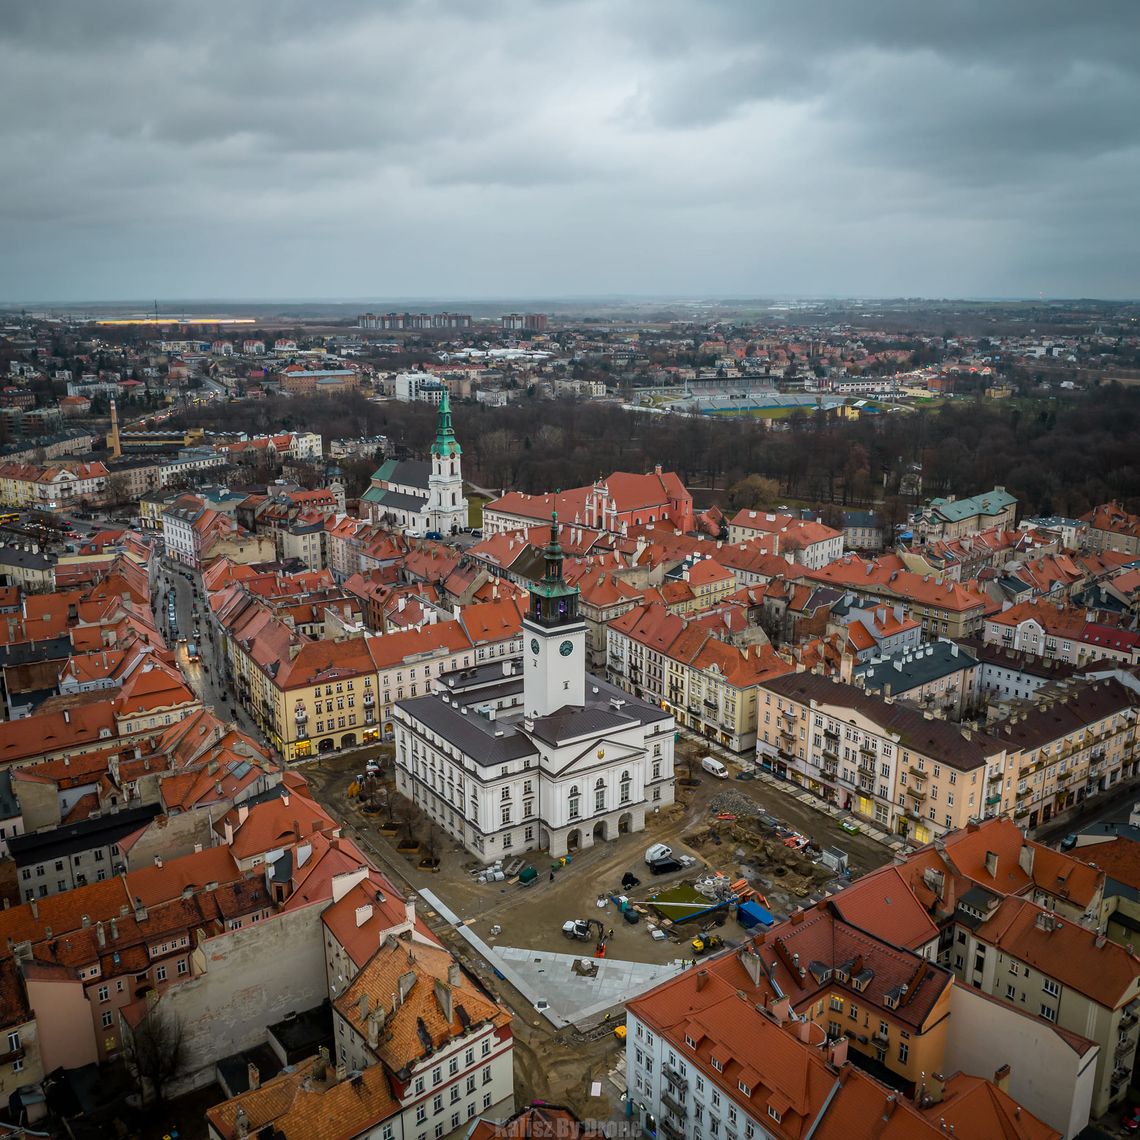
(717, 1065)
(744, 1088)
(690, 1042)
(774, 1114)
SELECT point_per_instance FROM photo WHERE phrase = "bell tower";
(447, 508)
(554, 637)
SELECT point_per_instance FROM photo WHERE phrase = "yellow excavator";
(704, 943)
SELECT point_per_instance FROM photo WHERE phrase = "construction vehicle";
(583, 928)
(705, 943)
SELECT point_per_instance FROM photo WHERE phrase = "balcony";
(673, 1105)
(867, 766)
(919, 794)
(918, 773)
(789, 714)
(674, 1077)
(993, 801)
(830, 768)
(710, 704)
(868, 750)
(670, 1129)
(867, 784)
(369, 698)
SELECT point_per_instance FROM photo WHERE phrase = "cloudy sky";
(488, 148)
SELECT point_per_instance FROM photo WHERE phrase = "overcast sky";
(488, 148)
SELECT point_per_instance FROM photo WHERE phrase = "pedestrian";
(552, 876)
(610, 932)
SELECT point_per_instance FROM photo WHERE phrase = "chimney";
(114, 930)
(702, 979)
(781, 1009)
(454, 975)
(100, 935)
(404, 984)
(158, 862)
(66, 716)
(410, 910)
(363, 914)
(35, 906)
(243, 813)
(443, 998)
(991, 864)
(254, 1075)
(229, 833)
(375, 1024)
(1001, 1078)
(753, 964)
(935, 1088)
(892, 1100)
(362, 1005)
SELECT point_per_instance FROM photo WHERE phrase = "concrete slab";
(541, 975)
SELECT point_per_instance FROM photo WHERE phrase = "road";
(1111, 807)
(207, 675)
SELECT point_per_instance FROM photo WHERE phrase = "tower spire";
(445, 442)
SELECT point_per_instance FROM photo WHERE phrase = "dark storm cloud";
(259, 148)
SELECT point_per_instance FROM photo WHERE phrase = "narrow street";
(206, 675)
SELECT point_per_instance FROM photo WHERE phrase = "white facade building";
(529, 755)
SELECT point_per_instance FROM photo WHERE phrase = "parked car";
(658, 851)
(1069, 842)
(665, 866)
(714, 767)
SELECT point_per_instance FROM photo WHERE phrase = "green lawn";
(475, 505)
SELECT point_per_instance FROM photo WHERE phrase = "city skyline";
(569, 150)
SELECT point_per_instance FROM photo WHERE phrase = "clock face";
(566, 648)
(534, 645)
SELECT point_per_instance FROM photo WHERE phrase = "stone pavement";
(566, 998)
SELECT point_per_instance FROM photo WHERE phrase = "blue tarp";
(751, 914)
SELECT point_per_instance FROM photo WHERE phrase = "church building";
(534, 753)
(422, 498)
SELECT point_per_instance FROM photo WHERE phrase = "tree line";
(1057, 457)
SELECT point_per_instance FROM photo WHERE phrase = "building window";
(1048, 1012)
(1050, 987)
(421, 1113)
(773, 1114)
(104, 993)
(486, 1100)
(160, 974)
(108, 1019)
(437, 1104)
(14, 1042)
(904, 1052)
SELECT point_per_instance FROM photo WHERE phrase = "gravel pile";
(735, 803)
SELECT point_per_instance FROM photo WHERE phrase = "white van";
(658, 852)
(714, 768)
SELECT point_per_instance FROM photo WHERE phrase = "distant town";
(681, 719)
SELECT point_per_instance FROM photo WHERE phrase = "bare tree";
(154, 1052)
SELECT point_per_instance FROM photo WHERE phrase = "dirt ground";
(560, 1066)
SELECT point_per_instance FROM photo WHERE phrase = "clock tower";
(554, 639)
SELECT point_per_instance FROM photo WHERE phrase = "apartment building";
(708, 685)
(906, 771)
(941, 606)
(949, 518)
(1056, 632)
(1077, 739)
(938, 676)
(811, 544)
(446, 1047)
(1062, 972)
(1110, 527)
(712, 1053)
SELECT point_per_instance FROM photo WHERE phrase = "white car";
(658, 852)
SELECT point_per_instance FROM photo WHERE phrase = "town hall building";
(422, 498)
(534, 753)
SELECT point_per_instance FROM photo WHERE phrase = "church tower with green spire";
(447, 508)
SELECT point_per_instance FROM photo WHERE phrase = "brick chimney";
(1001, 1078)
(254, 1075)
